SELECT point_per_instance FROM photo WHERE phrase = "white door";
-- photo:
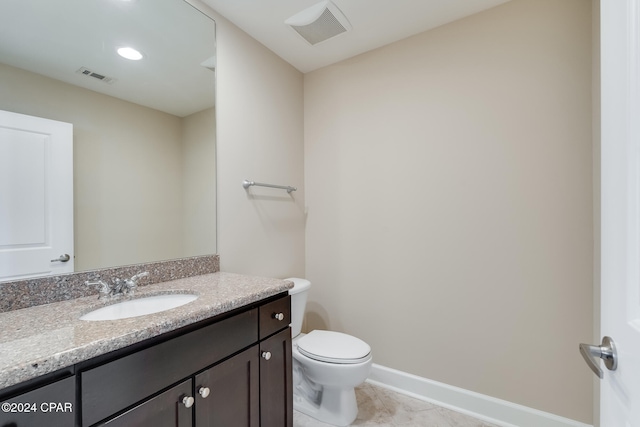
(36, 196)
(620, 303)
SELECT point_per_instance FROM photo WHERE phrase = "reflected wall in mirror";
(143, 131)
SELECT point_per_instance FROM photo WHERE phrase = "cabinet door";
(276, 385)
(229, 396)
(53, 405)
(165, 410)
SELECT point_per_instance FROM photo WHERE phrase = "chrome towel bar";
(246, 184)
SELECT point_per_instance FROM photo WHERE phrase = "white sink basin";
(139, 307)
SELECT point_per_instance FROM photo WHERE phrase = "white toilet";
(326, 366)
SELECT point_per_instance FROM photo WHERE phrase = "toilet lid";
(333, 347)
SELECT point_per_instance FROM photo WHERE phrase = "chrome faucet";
(119, 287)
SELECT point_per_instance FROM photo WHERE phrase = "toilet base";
(337, 406)
(326, 391)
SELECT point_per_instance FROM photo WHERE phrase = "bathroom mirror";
(143, 130)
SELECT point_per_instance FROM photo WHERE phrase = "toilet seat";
(333, 347)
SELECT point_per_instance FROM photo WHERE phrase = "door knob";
(62, 258)
(606, 351)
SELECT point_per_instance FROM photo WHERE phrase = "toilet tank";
(298, 294)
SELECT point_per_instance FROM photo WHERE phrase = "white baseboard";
(486, 408)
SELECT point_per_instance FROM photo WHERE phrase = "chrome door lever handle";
(62, 258)
(606, 351)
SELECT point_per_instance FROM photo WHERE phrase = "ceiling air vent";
(87, 72)
(320, 22)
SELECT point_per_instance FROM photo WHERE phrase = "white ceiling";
(56, 38)
(44, 37)
(375, 23)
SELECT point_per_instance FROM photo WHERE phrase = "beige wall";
(260, 137)
(128, 164)
(199, 182)
(450, 205)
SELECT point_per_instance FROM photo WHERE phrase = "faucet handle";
(133, 282)
(104, 290)
(139, 276)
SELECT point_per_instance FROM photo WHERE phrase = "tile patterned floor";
(380, 407)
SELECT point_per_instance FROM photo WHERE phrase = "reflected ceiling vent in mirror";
(87, 72)
(320, 22)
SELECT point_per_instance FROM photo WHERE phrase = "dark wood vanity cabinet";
(234, 372)
(117, 384)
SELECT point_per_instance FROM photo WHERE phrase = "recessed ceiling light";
(130, 53)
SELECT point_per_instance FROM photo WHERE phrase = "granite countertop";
(38, 340)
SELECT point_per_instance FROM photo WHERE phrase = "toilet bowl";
(327, 366)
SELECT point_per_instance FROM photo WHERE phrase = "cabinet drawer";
(164, 410)
(53, 405)
(116, 385)
(275, 316)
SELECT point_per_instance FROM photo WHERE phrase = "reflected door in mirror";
(36, 196)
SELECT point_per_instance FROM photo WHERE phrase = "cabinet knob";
(266, 355)
(204, 392)
(188, 401)
(278, 316)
